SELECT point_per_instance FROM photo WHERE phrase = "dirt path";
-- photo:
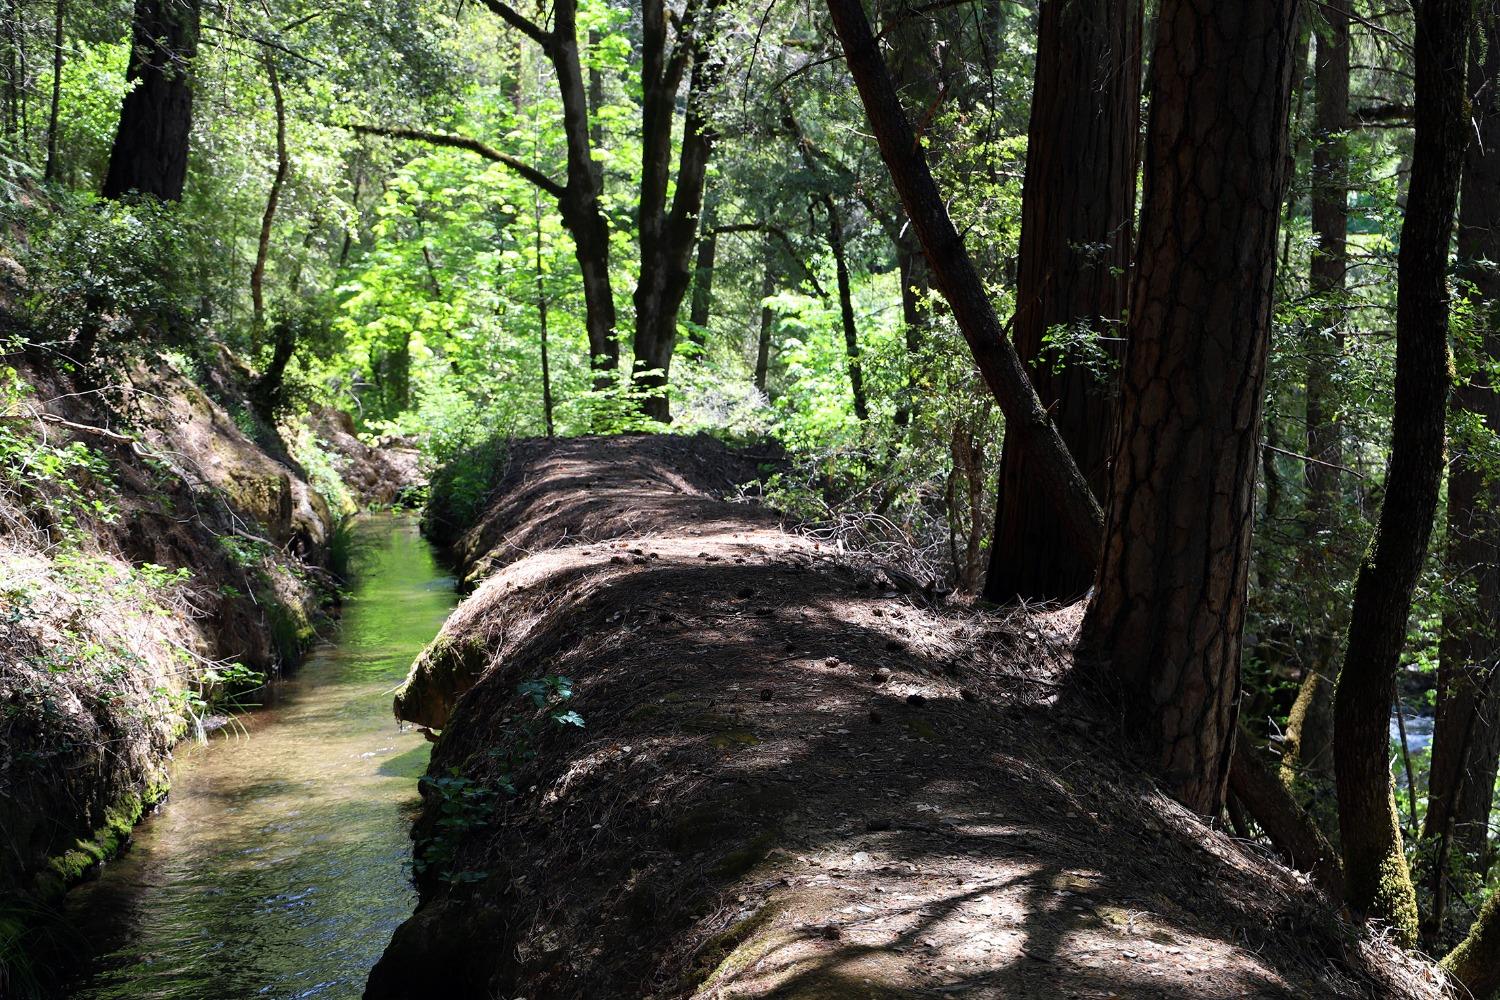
(797, 780)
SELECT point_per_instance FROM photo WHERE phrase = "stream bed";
(280, 864)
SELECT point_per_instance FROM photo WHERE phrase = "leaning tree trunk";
(1375, 869)
(1077, 211)
(1166, 622)
(1476, 962)
(150, 152)
(954, 275)
(1466, 737)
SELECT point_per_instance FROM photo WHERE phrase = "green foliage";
(62, 484)
(466, 805)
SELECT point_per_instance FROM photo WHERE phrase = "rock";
(882, 675)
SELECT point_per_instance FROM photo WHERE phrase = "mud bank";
(154, 559)
(795, 779)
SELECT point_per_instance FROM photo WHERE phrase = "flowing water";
(280, 864)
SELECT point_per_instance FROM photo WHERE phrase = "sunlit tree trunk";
(1077, 211)
(1166, 622)
(1374, 863)
(150, 152)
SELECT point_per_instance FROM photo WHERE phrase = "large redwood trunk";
(1466, 738)
(1166, 622)
(954, 275)
(1374, 862)
(150, 153)
(1077, 213)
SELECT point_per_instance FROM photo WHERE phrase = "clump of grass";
(341, 542)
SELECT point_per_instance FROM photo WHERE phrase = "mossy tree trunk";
(1375, 871)
(1466, 737)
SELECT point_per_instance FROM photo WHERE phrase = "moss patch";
(65, 870)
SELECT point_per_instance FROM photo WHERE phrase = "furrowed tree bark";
(150, 152)
(1466, 736)
(954, 275)
(1078, 207)
(1375, 870)
(1168, 614)
(579, 203)
(668, 236)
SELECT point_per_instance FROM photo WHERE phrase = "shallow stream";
(279, 865)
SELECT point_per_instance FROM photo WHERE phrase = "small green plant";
(465, 805)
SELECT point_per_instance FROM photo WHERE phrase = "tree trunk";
(273, 199)
(703, 278)
(1077, 212)
(668, 236)
(59, 23)
(954, 274)
(1330, 222)
(1307, 763)
(1374, 864)
(1258, 789)
(579, 202)
(767, 316)
(1466, 737)
(1168, 614)
(916, 282)
(846, 307)
(1476, 962)
(150, 153)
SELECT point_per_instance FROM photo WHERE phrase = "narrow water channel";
(280, 864)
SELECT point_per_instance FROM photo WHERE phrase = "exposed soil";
(204, 550)
(798, 780)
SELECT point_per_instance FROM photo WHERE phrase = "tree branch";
(785, 240)
(450, 141)
(519, 21)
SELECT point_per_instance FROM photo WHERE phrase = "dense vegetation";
(1208, 290)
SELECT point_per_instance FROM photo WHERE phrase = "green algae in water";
(280, 865)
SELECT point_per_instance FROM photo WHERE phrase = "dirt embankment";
(794, 780)
(151, 556)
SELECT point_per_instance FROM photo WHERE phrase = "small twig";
(1314, 461)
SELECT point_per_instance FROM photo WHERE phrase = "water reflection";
(279, 867)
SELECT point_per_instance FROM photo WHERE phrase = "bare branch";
(450, 141)
(519, 21)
